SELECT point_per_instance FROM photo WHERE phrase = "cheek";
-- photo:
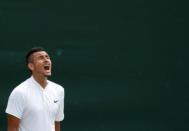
(38, 66)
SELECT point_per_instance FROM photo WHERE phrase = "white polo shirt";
(37, 108)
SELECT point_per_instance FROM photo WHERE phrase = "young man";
(36, 104)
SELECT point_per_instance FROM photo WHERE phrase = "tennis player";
(37, 104)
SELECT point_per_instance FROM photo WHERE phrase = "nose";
(47, 59)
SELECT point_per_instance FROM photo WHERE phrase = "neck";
(42, 80)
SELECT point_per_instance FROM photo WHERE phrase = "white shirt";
(37, 108)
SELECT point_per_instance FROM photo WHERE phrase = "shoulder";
(20, 89)
(56, 86)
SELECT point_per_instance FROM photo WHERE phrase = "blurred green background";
(123, 64)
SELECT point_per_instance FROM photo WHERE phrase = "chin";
(47, 75)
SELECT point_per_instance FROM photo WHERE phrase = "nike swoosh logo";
(55, 101)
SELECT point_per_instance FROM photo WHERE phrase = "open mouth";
(47, 67)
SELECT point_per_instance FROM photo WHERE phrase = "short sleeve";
(60, 112)
(15, 104)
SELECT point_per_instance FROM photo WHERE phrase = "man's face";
(40, 63)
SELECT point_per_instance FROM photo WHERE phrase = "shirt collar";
(36, 84)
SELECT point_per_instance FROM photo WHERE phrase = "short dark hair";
(31, 51)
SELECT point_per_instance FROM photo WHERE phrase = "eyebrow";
(41, 55)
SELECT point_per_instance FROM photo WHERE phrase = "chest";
(42, 103)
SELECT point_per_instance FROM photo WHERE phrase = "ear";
(30, 66)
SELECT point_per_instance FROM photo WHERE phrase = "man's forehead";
(39, 53)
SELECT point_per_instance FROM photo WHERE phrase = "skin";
(37, 63)
(13, 123)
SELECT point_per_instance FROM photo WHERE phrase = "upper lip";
(46, 64)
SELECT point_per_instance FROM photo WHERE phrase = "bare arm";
(57, 126)
(13, 123)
